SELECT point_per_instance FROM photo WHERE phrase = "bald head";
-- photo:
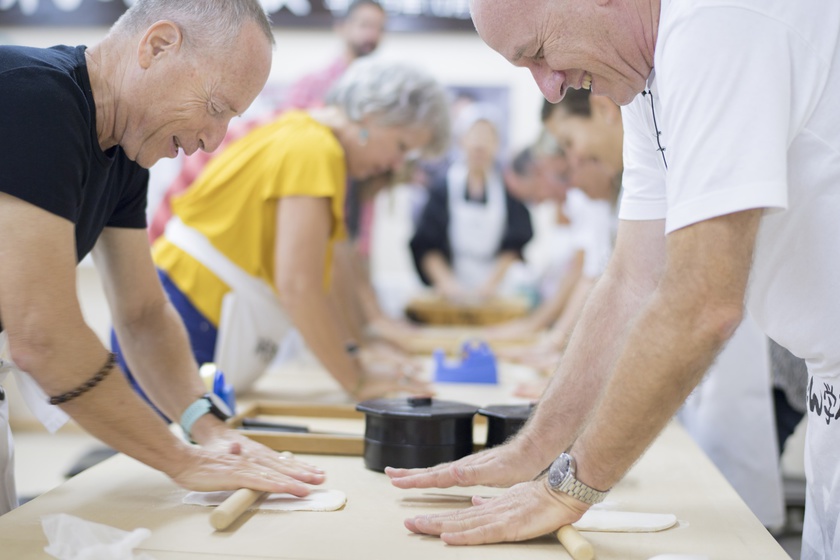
(606, 45)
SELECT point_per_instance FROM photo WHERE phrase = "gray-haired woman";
(264, 215)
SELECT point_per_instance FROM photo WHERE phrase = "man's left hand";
(525, 511)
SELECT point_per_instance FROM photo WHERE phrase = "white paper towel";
(74, 538)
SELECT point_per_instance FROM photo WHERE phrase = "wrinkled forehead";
(506, 26)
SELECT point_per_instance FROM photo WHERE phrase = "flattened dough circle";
(624, 521)
(320, 499)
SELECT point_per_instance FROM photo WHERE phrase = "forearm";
(593, 349)
(696, 308)
(314, 318)
(111, 410)
(157, 347)
(344, 290)
(437, 269)
(503, 262)
(565, 324)
(551, 310)
(666, 354)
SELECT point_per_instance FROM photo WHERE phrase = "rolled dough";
(320, 499)
(624, 521)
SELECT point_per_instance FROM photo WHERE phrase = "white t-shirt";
(745, 96)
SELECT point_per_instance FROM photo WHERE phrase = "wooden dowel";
(234, 505)
(578, 547)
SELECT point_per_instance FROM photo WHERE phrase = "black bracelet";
(89, 384)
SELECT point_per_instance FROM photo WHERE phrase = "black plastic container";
(504, 420)
(416, 432)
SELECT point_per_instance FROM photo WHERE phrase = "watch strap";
(580, 491)
(196, 410)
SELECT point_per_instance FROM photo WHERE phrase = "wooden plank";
(315, 444)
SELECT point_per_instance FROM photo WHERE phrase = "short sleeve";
(130, 212)
(432, 231)
(725, 81)
(313, 166)
(44, 140)
(643, 180)
(519, 230)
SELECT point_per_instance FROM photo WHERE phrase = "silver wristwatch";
(561, 478)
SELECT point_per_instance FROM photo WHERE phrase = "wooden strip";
(315, 444)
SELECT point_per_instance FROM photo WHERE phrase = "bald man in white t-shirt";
(731, 195)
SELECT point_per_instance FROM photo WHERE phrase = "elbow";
(33, 348)
(294, 291)
(717, 322)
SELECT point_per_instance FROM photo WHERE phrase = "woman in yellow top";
(272, 205)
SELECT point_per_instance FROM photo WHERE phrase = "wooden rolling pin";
(234, 505)
(578, 547)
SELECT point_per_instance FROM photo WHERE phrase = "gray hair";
(205, 24)
(395, 94)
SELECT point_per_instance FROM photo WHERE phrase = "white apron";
(475, 229)
(730, 416)
(37, 400)
(254, 328)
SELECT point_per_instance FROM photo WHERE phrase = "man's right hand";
(210, 470)
(501, 466)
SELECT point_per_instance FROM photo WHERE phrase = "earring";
(363, 136)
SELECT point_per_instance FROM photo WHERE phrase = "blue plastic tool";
(214, 380)
(477, 365)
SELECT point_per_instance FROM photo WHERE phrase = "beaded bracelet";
(89, 384)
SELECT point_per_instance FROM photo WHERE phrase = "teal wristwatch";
(207, 403)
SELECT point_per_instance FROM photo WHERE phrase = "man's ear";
(604, 109)
(161, 39)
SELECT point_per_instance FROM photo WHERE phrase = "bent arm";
(150, 330)
(49, 339)
(302, 238)
(694, 311)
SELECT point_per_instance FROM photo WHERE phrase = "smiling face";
(183, 99)
(374, 149)
(568, 44)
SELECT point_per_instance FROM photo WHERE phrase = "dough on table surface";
(624, 521)
(320, 499)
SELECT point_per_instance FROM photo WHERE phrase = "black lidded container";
(504, 420)
(416, 432)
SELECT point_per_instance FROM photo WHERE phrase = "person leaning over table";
(271, 206)
(168, 76)
(590, 205)
(471, 230)
(731, 178)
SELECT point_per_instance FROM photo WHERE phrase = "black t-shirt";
(49, 149)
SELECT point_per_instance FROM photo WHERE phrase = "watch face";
(219, 404)
(559, 470)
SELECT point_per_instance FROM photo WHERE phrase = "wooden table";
(674, 476)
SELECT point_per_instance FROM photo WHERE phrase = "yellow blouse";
(234, 201)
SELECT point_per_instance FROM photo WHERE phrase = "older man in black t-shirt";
(78, 128)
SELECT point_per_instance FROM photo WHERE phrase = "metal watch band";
(581, 491)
